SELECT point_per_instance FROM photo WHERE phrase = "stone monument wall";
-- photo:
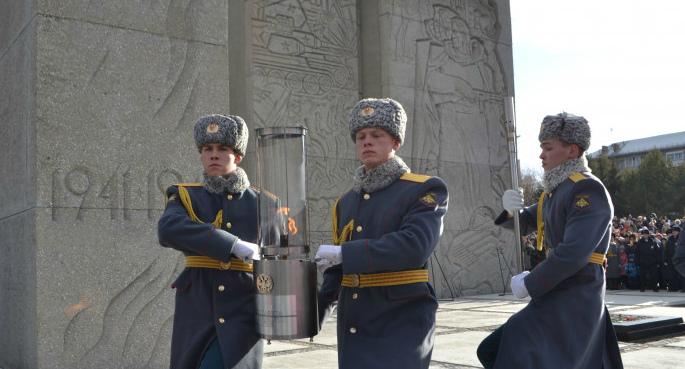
(96, 114)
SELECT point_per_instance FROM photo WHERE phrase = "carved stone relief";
(305, 56)
(305, 67)
(457, 130)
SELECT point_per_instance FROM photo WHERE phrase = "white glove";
(512, 201)
(518, 286)
(328, 256)
(245, 251)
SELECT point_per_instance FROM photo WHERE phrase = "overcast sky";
(619, 63)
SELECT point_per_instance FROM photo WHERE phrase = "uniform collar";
(555, 176)
(379, 177)
(234, 182)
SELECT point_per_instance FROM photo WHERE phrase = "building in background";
(629, 154)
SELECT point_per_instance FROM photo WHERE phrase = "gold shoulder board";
(577, 177)
(413, 177)
(189, 184)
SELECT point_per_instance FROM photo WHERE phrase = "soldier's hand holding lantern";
(246, 251)
(328, 256)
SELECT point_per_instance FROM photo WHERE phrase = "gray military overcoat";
(395, 229)
(566, 324)
(211, 303)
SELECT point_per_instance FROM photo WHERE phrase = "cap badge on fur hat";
(384, 113)
(367, 112)
(212, 128)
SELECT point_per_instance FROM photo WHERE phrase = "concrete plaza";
(464, 322)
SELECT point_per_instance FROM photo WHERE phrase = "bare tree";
(531, 183)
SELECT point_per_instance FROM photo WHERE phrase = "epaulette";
(577, 177)
(189, 184)
(413, 177)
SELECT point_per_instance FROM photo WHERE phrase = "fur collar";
(553, 177)
(379, 177)
(234, 182)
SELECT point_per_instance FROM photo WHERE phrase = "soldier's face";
(374, 146)
(555, 152)
(218, 160)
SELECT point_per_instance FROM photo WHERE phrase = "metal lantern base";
(286, 299)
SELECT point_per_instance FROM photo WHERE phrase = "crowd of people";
(640, 254)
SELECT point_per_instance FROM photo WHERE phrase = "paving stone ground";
(462, 323)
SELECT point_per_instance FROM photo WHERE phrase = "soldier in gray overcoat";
(214, 224)
(384, 230)
(566, 324)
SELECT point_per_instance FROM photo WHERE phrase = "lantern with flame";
(285, 276)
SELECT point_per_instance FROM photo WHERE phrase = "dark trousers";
(678, 282)
(649, 275)
(672, 279)
(487, 350)
(613, 283)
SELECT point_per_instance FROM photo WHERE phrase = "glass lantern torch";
(285, 276)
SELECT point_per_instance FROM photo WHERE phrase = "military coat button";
(367, 196)
(359, 228)
(353, 330)
(221, 288)
(229, 225)
(355, 296)
(229, 196)
(222, 320)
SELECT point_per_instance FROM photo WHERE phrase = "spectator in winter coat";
(649, 260)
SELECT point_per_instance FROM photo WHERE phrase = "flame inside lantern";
(292, 224)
